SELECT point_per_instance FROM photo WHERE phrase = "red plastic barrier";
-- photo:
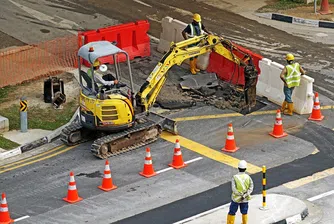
(130, 37)
(229, 71)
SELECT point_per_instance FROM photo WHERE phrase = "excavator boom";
(179, 52)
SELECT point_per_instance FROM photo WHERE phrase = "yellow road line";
(38, 160)
(36, 156)
(309, 179)
(216, 116)
(208, 152)
(201, 117)
(315, 151)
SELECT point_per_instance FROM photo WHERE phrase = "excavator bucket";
(166, 123)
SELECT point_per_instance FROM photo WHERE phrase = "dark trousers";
(234, 208)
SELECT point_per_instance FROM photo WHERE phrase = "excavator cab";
(105, 106)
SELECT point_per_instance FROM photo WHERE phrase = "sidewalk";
(280, 208)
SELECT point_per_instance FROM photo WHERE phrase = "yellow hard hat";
(290, 57)
(197, 17)
(96, 63)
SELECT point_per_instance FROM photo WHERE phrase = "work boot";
(193, 67)
(196, 69)
(289, 111)
(230, 219)
(244, 219)
(284, 106)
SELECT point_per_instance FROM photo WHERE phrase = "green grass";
(5, 91)
(287, 4)
(7, 144)
(38, 118)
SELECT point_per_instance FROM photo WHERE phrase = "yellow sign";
(23, 105)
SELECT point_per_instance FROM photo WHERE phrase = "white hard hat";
(242, 164)
(103, 68)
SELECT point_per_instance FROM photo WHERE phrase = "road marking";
(216, 116)
(315, 151)
(208, 152)
(202, 117)
(30, 158)
(142, 3)
(202, 214)
(64, 23)
(186, 162)
(37, 160)
(321, 196)
(19, 219)
(309, 179)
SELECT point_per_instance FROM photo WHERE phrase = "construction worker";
(100, 76)
(291, 77)
(242, 187)
(194, 29)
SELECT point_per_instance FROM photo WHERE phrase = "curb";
(39, 142)
(294, 219)
(296, 20)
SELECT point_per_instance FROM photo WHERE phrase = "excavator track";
(74, 128)
(114, 144)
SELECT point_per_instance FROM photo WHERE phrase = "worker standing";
(291, 77)
(194, 29)
(242, 187)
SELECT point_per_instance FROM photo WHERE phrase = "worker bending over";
(242, 187)
(291, 77)
(194, 29)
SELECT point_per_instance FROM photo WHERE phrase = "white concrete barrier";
(172, 32)
(271, 86)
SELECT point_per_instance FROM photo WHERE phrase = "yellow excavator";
(117, 119)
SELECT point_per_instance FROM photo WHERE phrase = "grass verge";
(7, 144)
(278, 5)
(38, 118)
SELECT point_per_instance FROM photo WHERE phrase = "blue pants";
(234, 208)
(288, 93)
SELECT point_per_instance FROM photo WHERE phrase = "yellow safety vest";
(242, 184)
(89, 73)
(292, 77)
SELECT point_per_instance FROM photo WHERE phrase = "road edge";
(39, 142)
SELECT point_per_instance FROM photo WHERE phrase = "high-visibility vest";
(242, 184)
(192, 29)
(292, 78)
(89, 73)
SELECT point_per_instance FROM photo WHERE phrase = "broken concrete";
(208, 80)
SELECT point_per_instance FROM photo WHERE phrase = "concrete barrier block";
(4, 124)
(172, 32)
(10, 153)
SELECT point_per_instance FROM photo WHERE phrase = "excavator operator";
(194, 29)
(103, 80)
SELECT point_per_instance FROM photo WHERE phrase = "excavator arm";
(179, 52)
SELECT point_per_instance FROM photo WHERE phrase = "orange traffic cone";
(4, 214)
(72, 193)
(148, 170)
(324, 10)
(278, 127)
(177, 162)
(107, 184)
(316, 112)
(230, 145)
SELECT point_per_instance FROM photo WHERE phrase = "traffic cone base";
(71, 201)
(278, 136)
(230, 150)
(176, 166)
(108, 189)
(316, 119)
(148, 175)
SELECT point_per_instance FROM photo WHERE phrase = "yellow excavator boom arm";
(179, 52)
